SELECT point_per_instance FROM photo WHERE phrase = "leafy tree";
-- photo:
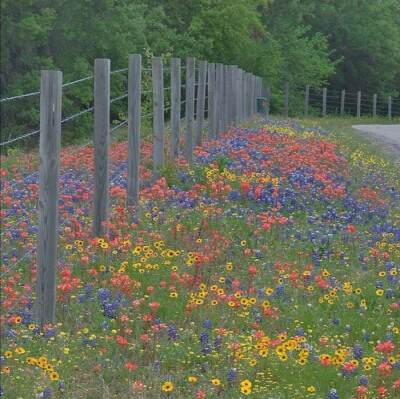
(366, 33)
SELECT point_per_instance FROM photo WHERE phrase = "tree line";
(342, 44)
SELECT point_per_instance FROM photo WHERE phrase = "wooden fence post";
(244, 91)
(286, 109)
(189, 114)
(268, 95)
(219, 98)
(175, 107)
(134, 105)
(201, 93)
(342, 103)
(324, 92)
(49, 182)
(246, 95)
(101, 146)
(158, 115)
(226, 98)
(374, 106)
(239, 95)
(212, 100)
(358, 104)
(234, 93)
(253, 95)
(306, 101)
(390, 107)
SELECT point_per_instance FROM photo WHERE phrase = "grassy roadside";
(353, 139)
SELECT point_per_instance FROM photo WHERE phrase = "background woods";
(352, 45)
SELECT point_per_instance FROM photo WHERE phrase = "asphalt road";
(387, 134)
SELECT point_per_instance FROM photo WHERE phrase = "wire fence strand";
(24, 136)
(36, 93)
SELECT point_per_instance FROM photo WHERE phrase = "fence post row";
(158, 115)
(101, 146)
(189, 113)
(134, 105)
(201, 93)
(49, 182)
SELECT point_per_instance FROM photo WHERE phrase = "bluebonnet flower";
(232, 375)
(357, 351)
(171, 332)
(62, 387)
(363, 380)
(333, 394)
(217, 343)
(204, 337)
(208, 324)
(47, 393)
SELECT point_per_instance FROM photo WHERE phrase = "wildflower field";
(267, 269)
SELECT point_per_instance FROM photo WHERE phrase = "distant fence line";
(339, 103)
(231, 93)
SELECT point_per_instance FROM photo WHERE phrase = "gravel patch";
(386, 135)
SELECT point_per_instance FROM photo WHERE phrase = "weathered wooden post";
(158, 115)
(390, 107)
(189, 114)
(49, 181)
(201, 93)
(175, 107)
(324, 91)
(374, 105)
(358, 104)
(239, 95)
(268, 99)
(213, 98)
(226, 99)
(306, 101)
(253, 95)
(134, 104)
(234, 93)
(219, 99)
(342, 103)
(101, 146)
(286, 109)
